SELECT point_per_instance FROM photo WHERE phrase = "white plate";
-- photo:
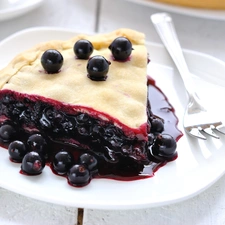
(199, 165)
(202, 13)
(13, 8)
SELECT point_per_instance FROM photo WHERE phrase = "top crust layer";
(122, 96)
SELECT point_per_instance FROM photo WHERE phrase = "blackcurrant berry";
(121, 48)
(98, 68)
(52, 61)
(151, 138)
(78, 175)
(7, 132)
(157, 125)
(89, 160)
(62, 162)
(83, 49)
(37, 143)
(32, 163)
(164, 147)
(17, 150)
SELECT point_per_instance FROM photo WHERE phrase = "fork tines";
(201, 130)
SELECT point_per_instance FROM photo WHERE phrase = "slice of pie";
(82, 109)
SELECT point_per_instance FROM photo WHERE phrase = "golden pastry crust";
(206, 4)
(122, 96)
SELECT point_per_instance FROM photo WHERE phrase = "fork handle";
(165, 28)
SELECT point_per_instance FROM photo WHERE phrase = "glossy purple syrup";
(22, 112)
(161, 107)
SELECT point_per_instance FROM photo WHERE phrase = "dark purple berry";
(151, 138)
(83, 49)
(82, 131)
(98, 68)
(121, 48)
(32, 163)
(37, 143)
(17, 150)
(7, 132)
(82, 118)
(89, 160)
(164, 147)
(78, 175)
(62, 162)
(97, 130)
(52, 61)
(126, 150)
(157, 125)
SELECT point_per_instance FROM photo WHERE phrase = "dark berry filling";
(81, 146)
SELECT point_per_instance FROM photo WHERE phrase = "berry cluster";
(162, 147)
(78, 173)
(33, 156)
(97, 66)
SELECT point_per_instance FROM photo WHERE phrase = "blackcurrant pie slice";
(71, 105)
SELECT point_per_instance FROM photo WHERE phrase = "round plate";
(13, 8)
(199, 164)
(196, 12)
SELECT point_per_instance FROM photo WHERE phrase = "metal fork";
(198, 122)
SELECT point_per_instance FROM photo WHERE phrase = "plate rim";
(196, 12)
(18, 10)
